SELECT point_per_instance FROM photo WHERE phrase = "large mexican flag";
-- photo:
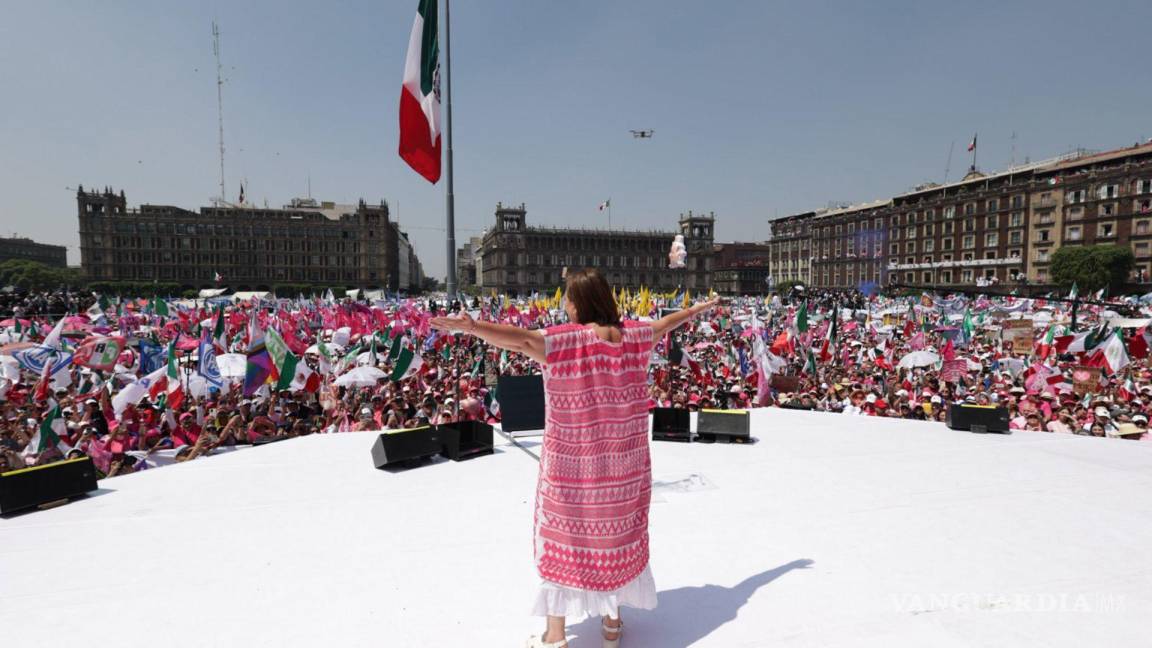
(420, 96)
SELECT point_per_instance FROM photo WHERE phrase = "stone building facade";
(519, 259)
(25, 249)
(741, 268)
(986, 229)
(252, 248)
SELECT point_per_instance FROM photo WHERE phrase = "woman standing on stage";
(595, 484)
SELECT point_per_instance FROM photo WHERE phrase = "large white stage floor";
(831, 531)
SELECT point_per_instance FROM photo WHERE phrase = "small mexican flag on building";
(420, 95)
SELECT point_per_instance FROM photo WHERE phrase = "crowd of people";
(189, 378)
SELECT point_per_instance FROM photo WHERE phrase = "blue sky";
(760, 108)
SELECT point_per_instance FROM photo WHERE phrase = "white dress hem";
(575, 604)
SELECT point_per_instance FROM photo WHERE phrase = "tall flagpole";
(451, 281)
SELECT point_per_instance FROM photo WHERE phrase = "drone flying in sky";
(642, 134)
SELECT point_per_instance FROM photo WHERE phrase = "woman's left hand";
(708, 305)
(462, 323)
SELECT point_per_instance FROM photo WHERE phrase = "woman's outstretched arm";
(512, 338)
(671, 321)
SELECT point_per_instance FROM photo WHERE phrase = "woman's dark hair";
(592, 298)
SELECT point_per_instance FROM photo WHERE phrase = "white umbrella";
(331, 346)
(232, 365)
(918, 359)
(360, 377)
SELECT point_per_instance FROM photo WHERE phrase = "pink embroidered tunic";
(595, 485)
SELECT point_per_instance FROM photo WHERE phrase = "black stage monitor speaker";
(466, 439)
(407, 446)
(722, 426)
(521, 402)
(978, 418)
(30, 487)
(671, 424)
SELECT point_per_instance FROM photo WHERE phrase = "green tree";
(32, 275)
(1092, 267)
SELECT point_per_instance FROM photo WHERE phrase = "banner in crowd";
(953, 370)
(785, 384)
(36, 357)
(1017, 335)
(99, 353)
(152, 356)
(1085, 380)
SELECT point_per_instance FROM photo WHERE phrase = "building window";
(927, 277)
(1107, 191)
(993, 221)
(970, 225)
(928, 229)
(1140, 248)
(946, 244)
(1144, 186)
(894, 249)
(1142, 227)
(1143, 206)
(1017, 202)
(1107, 210)
(993, 205)
(966, 276)
(946, 277)
(1015, 237)
(1072, 233)
(1043, 236)
(1015, 219)
(969, 241)
(1041, 256)
(949, 211)
(991, 239)
(969, 208)
(929, 245)
(1106, 230)
(910, 246)
(910, 232)
(947, 228)
(1073, 197)
(990, 254)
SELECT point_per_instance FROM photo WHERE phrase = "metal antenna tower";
(948, 165)
(219, 104)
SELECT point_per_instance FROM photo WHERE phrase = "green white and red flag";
(420, 95)
(175, 391)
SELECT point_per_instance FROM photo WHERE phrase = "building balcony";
(973, 263)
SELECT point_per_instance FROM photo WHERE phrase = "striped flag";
(420, 95)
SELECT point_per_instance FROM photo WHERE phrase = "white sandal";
(618, 631)
(537, 641)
